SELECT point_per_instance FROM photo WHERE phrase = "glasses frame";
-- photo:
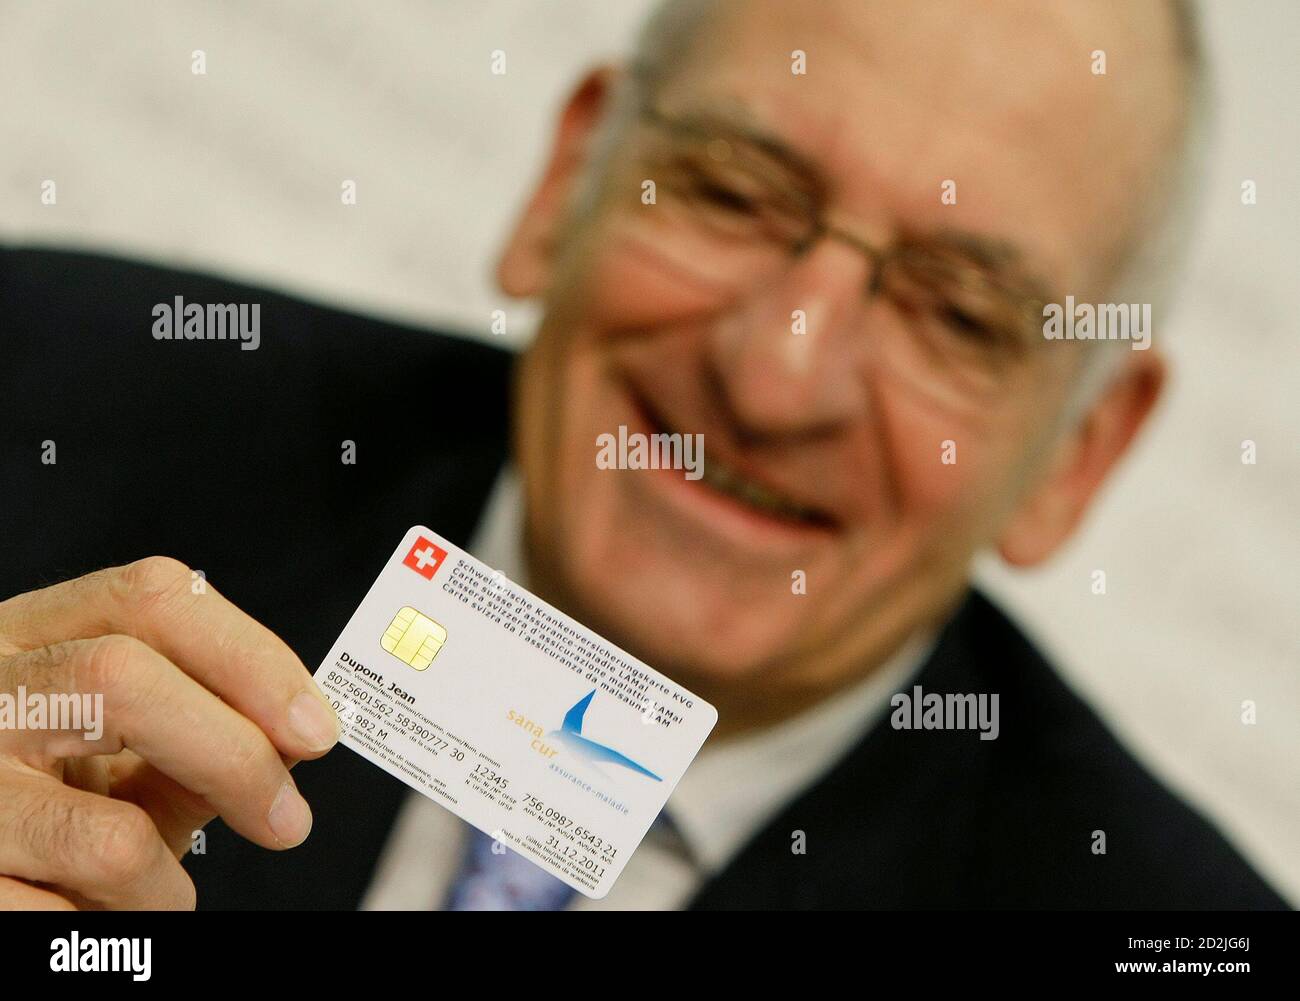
(971, 277)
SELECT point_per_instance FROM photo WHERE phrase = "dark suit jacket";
(230, 461)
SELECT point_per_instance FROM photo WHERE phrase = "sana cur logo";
(571, 736)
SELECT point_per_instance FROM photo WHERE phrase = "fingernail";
(315, 722)
(290, 817)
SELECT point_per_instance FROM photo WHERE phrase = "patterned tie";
(507, 881)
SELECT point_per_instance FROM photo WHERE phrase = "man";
(822, 236)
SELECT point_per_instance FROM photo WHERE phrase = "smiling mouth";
(727, 481)
(721, 479)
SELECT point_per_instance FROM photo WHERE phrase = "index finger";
(205, 635)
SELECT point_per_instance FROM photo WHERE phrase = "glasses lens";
(720, 216)
(965, 331)
(727, 216)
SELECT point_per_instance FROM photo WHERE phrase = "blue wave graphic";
(571, 733)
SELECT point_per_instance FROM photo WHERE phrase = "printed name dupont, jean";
(213, 321)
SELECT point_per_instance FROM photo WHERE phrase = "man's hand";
(204, 711)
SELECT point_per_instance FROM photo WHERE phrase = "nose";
(788, 358)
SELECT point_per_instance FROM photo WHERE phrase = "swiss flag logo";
(425, 558)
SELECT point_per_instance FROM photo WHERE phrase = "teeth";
(731, 483)
(726, 480)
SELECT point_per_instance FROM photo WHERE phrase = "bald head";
(1138, 127)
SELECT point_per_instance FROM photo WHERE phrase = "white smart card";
(509, 713)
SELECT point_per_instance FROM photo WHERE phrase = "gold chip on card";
(413, 638)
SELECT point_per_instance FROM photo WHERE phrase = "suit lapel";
(889, 826)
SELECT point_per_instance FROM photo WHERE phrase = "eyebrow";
(995, 256)
(744, 130)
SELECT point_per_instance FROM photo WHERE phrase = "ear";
(1049, 515)
(525, 265)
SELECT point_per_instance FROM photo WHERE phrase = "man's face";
(856, 457)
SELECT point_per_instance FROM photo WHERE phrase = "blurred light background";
(239, 172)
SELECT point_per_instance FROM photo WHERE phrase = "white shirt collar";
(499, 537)
(734, 786)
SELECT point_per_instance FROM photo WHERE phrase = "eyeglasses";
(733, 216)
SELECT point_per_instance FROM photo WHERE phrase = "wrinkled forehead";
(892, 99)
